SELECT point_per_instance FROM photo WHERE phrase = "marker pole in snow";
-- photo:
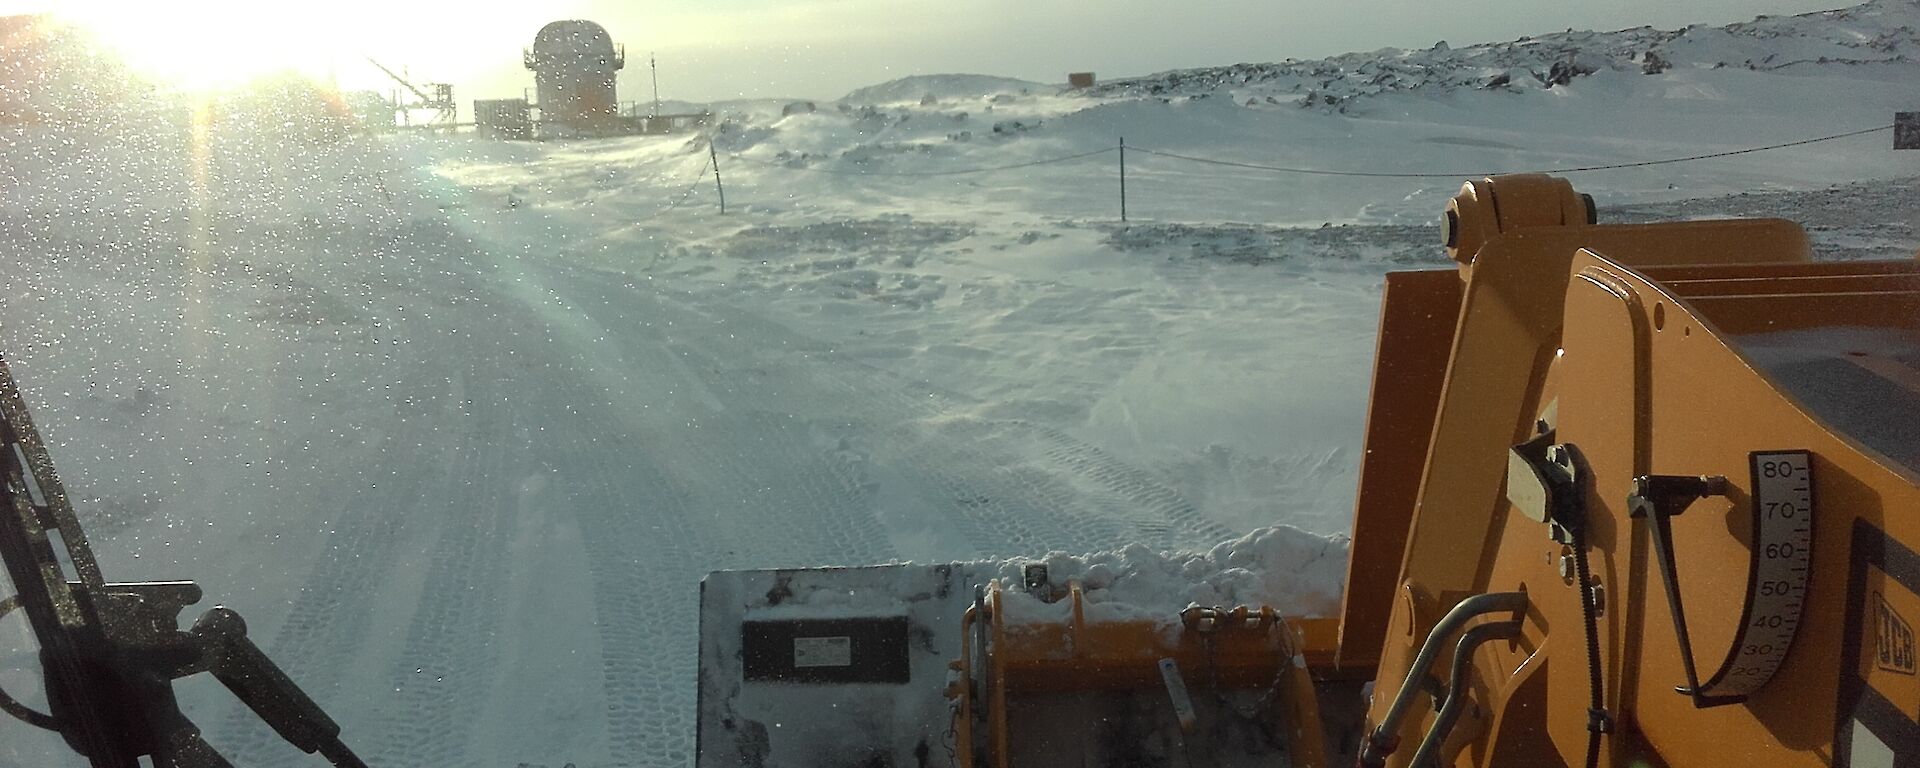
(655, 65)
(714, 156)
(1123, 178)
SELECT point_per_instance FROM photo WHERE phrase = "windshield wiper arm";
(109, 652)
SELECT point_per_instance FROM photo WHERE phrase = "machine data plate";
(850, 650)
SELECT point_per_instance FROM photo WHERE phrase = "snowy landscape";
(460, 424)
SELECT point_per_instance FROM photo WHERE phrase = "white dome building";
(575, 64)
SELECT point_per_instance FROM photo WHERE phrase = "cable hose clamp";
(1598, 721)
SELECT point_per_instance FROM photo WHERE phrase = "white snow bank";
(1293, 571)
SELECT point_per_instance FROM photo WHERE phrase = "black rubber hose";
(12, 706)
(1597, 720)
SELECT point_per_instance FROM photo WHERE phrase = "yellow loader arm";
(1688, 456)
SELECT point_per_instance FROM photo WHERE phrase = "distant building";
(1080, 80)
(502, 118)
(575, 64)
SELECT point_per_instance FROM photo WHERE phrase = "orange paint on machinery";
(1632, 495)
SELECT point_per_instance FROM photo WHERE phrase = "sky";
(712, 50)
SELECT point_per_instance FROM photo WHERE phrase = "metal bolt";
(1566, 566)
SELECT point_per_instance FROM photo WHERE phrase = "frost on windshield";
(459, 421)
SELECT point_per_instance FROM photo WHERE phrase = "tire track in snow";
(724, 461)
(645, 555)
(1012, 487)
(331, 619)
(331, 635)
(1150, 504)
(999, 507)
(442, 676)
(797, 480)
(752, 464)
(703, 478)
(642, 486)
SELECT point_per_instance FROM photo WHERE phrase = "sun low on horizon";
(211, 45)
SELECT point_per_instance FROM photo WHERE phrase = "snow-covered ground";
(459, 424)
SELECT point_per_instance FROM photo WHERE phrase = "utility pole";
(654, 64)
(1123, 178)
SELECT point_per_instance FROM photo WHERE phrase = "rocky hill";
(1879, 32)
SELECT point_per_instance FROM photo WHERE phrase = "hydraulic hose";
(1384, 737)
(1470, 641)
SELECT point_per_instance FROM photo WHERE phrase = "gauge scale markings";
(1783, 509)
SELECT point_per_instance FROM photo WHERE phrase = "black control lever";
(1659, 499)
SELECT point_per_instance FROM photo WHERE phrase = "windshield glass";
(454, 347)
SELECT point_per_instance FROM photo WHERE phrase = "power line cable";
(1287, 169)
(1710, 156)
(961, 172)
(692, 189)
(1307, 171)
(1574, 169)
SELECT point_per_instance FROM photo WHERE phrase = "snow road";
(465, 496)
(465, 492)
(693, 438)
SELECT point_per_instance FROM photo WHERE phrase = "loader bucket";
(828, 666)
(994, 664)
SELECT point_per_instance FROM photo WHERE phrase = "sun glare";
(220, 44)
(207, 45)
